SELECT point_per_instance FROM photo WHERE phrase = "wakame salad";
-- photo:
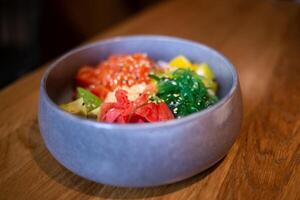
(136, 89)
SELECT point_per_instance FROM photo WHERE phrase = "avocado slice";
(94, 113)
(75, 107)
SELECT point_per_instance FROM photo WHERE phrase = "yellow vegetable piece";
(75, 107)
(180, 62)
(211, 92)
(204, 70)
(94, 113)
(210, 84)
(194, 67)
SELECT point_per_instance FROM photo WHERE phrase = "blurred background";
(33, 32)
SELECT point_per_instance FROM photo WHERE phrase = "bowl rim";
(139, 126)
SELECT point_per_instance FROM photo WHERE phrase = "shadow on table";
(57, 172)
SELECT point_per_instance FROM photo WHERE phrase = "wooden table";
(261, 38)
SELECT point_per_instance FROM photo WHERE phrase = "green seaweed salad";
(184, 92)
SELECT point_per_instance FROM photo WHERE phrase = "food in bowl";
(134, 88)
(146, 154)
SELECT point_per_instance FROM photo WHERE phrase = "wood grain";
(261, 38)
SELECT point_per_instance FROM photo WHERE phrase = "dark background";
(33, 32)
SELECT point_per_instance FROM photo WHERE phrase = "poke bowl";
(143, 148)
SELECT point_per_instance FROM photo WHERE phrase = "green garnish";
(184, 92)
(154, 77)
(155, 99)
(90, 100)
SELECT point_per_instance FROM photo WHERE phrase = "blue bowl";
(139, 155)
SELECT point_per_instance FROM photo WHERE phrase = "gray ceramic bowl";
(139, 155)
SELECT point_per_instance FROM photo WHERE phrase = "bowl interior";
(60, 76)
